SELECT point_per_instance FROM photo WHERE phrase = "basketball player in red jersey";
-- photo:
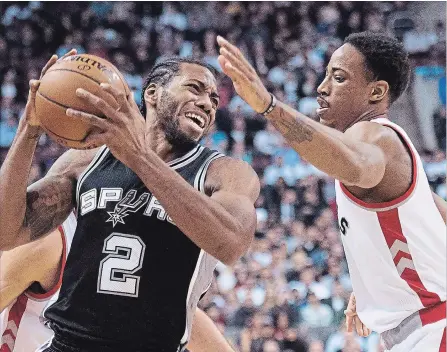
(391, 223)
(30, 278)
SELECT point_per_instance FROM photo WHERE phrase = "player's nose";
(204, 103)
(323, 89)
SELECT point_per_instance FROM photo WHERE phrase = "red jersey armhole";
(398, 200)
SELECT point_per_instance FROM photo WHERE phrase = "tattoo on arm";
(294, 130)
(48, 206)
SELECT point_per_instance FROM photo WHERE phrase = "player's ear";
(379, 91)
(150, 94)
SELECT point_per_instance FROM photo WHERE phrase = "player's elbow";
(234, 247)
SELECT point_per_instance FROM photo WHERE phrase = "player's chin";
(193, 131)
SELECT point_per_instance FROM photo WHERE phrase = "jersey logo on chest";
(129, 204)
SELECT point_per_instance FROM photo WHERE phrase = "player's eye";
(339, 79)
(195, 87)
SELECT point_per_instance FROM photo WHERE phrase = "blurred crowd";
(289, 291)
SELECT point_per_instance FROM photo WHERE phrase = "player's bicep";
(240, 207)
(372, 146)
(50, 200)
(236, 191)
(48, 203)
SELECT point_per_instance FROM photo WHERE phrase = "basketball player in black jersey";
(155, 212)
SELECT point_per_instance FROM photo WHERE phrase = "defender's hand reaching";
(353, 319)
(122, 129)
(245, 79)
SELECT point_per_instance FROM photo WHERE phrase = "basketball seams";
(53, 101)
(80, 73)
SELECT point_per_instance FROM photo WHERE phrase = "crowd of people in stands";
(289, 291)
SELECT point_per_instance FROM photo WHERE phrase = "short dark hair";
(163, 72)
(385, 58)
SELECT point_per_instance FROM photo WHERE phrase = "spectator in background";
(316, 346)
(440, 127)
(316, 314)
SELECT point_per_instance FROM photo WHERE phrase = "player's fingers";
(119, 96)
(71, 52)
(132, 102)
(90, 119)
(49, 63)
(358, 326)
(235, 51)
(93, 140)
(236, 62)
(34, 86)
(233, 72)
(97, 102)
(349, 324)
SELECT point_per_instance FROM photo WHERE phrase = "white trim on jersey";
(190, 288)
(199, 182)
(94, 163)
(187, 158)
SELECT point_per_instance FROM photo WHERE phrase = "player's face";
(344, 94)
(188, 105)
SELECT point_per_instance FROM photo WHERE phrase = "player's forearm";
(205, 336)
(14, 175)
(206, 222)
(327, 149)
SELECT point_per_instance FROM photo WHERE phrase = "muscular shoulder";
(232, 174)
(379, 135)
(73, 162)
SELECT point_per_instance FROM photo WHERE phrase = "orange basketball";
(57, 93)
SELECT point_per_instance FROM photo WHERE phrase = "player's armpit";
(205, 336)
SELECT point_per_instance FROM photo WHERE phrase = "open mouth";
(197, 119)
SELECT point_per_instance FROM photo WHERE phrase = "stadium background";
(289, 292)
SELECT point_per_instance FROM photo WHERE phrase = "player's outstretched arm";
(29, 263)
(345, 157)
(205, 336)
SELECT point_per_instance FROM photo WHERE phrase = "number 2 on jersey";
(126, 253)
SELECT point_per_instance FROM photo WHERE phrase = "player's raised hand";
(245, 79)
(122, 129)
(30, 115)
(352, 319)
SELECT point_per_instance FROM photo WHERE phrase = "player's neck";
(369, 115)
(161, 146)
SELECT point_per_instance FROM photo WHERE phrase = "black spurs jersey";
(132, 279)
